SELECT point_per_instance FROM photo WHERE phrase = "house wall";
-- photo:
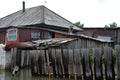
(90, 31)
(58, 35)
(95, 32)
(118, 35)
(13, 41)
(25, 35)
(2, 37)
(108, 32)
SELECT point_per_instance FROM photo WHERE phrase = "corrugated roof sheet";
(35, 15)
(39, 43)
(96, 39)
(105, 38)
(54, 41)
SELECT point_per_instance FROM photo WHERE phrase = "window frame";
(12, 34)
(33, 37)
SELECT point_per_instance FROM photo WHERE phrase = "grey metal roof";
(35, 15)
(106, 38)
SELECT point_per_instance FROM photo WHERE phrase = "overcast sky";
(93, 13)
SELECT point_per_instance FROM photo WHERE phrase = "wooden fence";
(68, 62)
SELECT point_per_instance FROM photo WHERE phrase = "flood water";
(24, 74)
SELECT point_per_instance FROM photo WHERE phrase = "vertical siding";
(118, 36)
(2, 37)
(25, 35)
(58, 35)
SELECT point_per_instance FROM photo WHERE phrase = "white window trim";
(8, 37)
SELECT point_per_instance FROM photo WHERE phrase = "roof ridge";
(36, 15)
(62, 17)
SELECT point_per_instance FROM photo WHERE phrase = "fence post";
(109, 64)
(97, 55)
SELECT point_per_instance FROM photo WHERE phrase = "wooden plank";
(77, 63)
(42, 63)
(71, 63)
(28, 58)
(18, 58)
(59, 62)
(117, 48)
(109, 64)
(86, 65)
(22, 58)
(47, 52)
(65, 57)
(97, 55)
(53, 59)
(33, 59)
(13, 52)
(25, 58)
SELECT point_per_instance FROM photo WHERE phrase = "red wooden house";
(41, 23)
(33, 24)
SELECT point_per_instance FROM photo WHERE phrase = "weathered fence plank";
(18, 58)
(65, 57)
(86, 65)
(54, 65)
(109, 64)
(48, 62)
(97, 55)
(34, 62)
(77, 62)
(117, 48)
(23, 58)
(71, 63)
(59, 62)
(43, 62)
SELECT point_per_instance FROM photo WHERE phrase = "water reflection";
(24, 74)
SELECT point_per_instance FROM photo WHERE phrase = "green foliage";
(78, 24)
(91, 55)
(103, 57)
(112, 25)
(114, 54)
(106, 26)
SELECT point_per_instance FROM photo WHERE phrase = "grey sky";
(93, 13)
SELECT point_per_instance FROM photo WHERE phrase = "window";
(47, 35)
(35, 35)
(12, 34)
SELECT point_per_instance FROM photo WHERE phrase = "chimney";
(23, 6)
(70, 29)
